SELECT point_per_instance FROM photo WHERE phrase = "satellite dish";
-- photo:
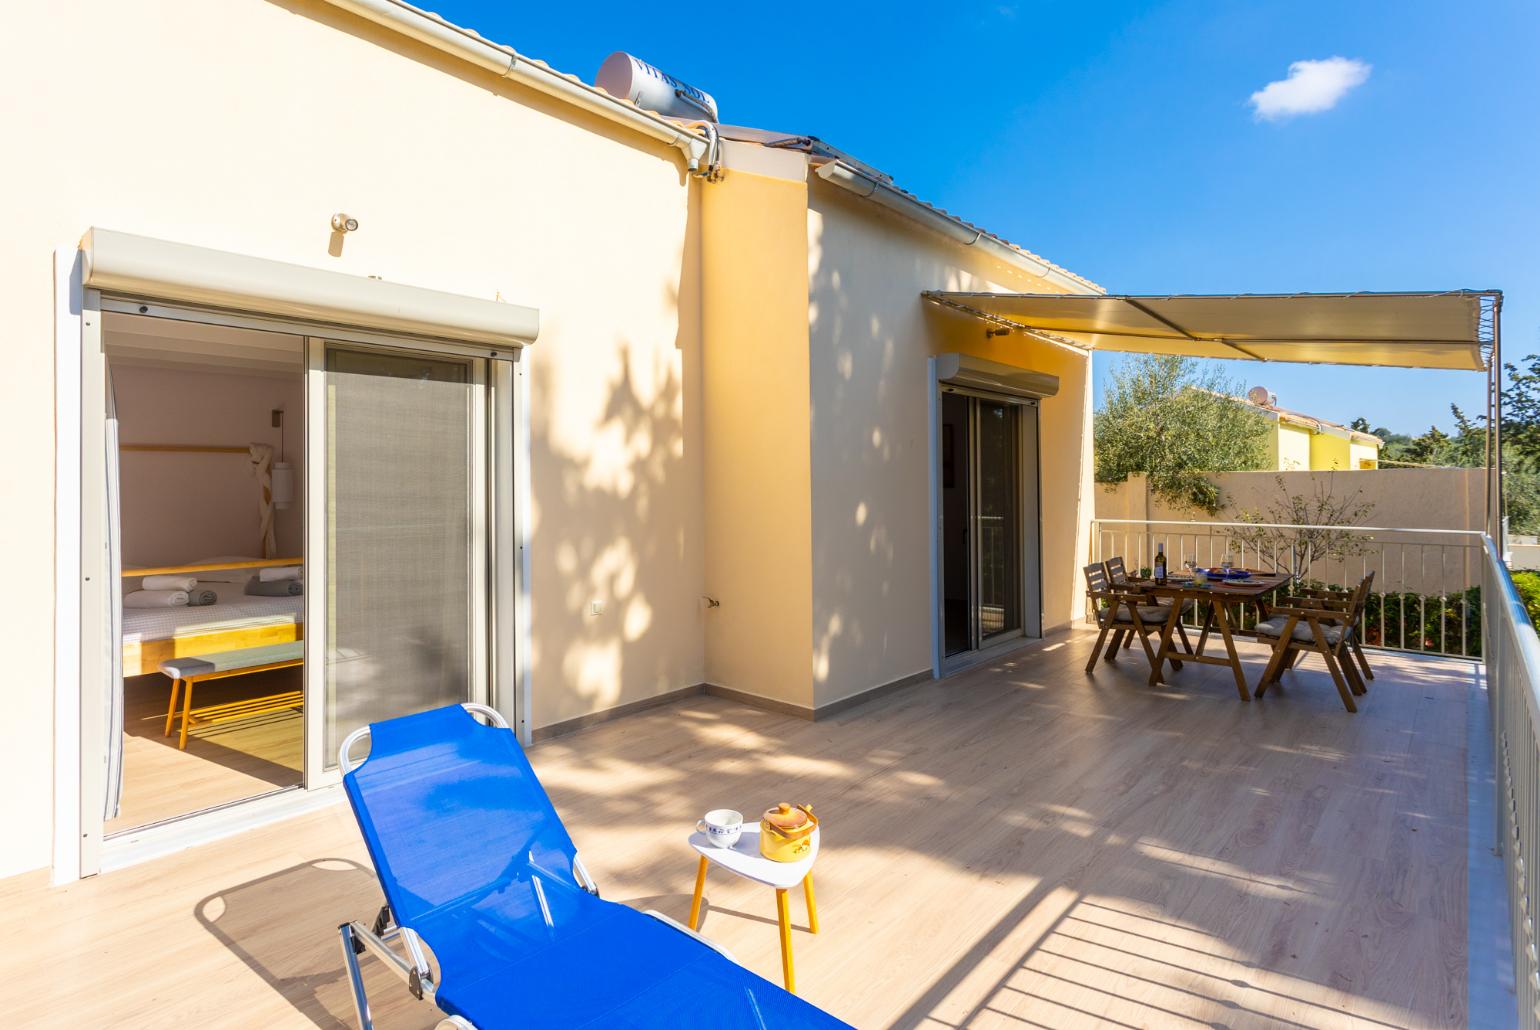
(1259, 396)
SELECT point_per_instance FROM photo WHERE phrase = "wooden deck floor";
(1018, 846)
(223, 762)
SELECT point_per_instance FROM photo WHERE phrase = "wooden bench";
(191, 669)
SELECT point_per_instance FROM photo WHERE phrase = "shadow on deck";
(1019, 845)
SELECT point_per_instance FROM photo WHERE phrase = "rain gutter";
(507, 63)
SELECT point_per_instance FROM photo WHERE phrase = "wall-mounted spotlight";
(343, 223)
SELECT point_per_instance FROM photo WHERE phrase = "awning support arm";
(1144, 310)
(1006, 323)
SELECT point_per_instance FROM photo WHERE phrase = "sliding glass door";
(988, 480)
(403, 539)
(997, 514)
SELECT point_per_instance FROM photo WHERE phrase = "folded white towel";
(169, 583)
(155, 599)
(276, 575)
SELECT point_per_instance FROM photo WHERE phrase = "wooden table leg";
(700, 885)
(186, 714)
(1222, 617)
(812, 906)
(783, 914)
(176, 688)
(1208, 625)
(1158, 663)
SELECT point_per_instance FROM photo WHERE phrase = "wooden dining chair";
(1117, 575)
(1124, 612)
(1319, 625)
(1344, 596)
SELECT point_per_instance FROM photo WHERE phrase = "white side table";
(745, 860)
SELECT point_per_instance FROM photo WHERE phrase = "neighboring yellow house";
(1300, 443)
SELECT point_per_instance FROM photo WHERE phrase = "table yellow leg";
(176, 688)
(700, 885)
(812, 906)
(783, 913)
(186, 714)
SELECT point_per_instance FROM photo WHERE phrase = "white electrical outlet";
(596, 608)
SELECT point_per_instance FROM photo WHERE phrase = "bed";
(236, 620)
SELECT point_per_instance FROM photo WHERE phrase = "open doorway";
(210, 534)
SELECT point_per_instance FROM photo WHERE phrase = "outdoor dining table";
(1219, 595)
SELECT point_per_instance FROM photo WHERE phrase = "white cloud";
(1312, 86)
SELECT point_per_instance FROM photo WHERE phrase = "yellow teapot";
(786, 832)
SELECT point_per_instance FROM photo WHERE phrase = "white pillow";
(223, 575)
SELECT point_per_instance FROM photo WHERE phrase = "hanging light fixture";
(283, 484)
(283, 471)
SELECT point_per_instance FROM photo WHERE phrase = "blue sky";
(1118, 140)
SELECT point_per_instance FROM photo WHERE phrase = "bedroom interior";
(210, 433)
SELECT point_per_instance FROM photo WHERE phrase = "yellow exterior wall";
(1297, 448)
(1293, 448)
(1329, 453)
(757, 486)
(1363, 455)
(243, 125)
(871, 334)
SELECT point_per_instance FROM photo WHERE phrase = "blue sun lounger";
(476, 865)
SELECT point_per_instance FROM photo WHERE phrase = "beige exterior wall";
(725, 379)
(1401, 498)
(243, 126)
(871, 334)
(758, 493)
(1292, 448)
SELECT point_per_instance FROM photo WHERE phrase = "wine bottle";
(1160, 564)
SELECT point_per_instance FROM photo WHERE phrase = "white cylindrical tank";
(633, 79)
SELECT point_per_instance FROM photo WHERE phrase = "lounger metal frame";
(413, 969)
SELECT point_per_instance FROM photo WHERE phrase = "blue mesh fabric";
(472, 856)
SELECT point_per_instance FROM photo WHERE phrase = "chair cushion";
(240, 658)
(1156, 613)
(1273, 627)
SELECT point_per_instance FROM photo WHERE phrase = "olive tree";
(1175, 419)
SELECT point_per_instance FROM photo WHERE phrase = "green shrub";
(1425, 622)
(1528, 584)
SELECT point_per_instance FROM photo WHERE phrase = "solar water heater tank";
(631, 78)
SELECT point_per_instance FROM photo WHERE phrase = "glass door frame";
(976, 633)
(82, 635)
(492, 420)
(1029, 528)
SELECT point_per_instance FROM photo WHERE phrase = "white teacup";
(723, 826)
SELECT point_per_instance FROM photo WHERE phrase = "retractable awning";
(1450, 330)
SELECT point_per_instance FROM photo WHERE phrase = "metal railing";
(1512, 656)
(1427, 582)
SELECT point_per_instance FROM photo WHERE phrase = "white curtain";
(262, 466)
(114, 614)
